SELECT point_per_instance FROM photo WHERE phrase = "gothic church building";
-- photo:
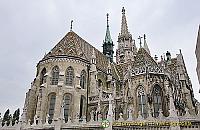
(77, 87)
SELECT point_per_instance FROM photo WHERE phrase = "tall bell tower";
(126, 45)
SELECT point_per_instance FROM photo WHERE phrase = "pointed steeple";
(145, 45)
(124, 27)
(108, 43)
(108, 37)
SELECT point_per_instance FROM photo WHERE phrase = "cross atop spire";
(71, 25)
(140, 38)
(123, 10)
(124, 27)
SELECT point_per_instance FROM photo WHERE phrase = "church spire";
(124, 27)
(146, 46)
(108, 37)
(108, 43)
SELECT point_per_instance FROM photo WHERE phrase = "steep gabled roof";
(73, 45)
(143, 58)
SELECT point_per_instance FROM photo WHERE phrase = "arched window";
(52, 100)
(82, 107)
(142, 101)
(69, 76)
(67, 101)
(42, 80)
(83, 79)
(157, 102)
(55, 75)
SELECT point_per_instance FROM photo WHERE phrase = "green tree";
(6, 117)
(16, 116)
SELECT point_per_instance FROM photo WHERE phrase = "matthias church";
(77, 87)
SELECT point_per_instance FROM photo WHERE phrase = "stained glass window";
(142, 101)
(157, 100)
(69, 76)
(52, 101)
(67, 102)
(55, 75)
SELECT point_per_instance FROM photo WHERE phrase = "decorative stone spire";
(124, 27)
(108, 43)
(146, 46)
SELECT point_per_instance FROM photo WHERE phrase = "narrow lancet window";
(55, 75)
(83, 79)
(69, 76)
(157, 105)
(142, 104)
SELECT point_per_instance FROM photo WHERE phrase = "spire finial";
(123, 10)
(71, 25)
(145, 45)
(144, 38)
(124, 27)
(107, 19)
(140, 38)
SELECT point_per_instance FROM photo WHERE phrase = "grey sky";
(29, 28)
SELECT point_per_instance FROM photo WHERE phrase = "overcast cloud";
(29, 28)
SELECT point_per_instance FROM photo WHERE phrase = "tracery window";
(42, 80)
(69, 76)
(52, 100)
(83, 79)
(55, 75)
(142, 103)
(67, 101)
(157, 102)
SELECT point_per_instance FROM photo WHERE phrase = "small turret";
(168, 55)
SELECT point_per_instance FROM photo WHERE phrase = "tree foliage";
(16, 116)
(6, 118)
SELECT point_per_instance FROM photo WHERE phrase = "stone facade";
(78, 87)
(197, 52)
